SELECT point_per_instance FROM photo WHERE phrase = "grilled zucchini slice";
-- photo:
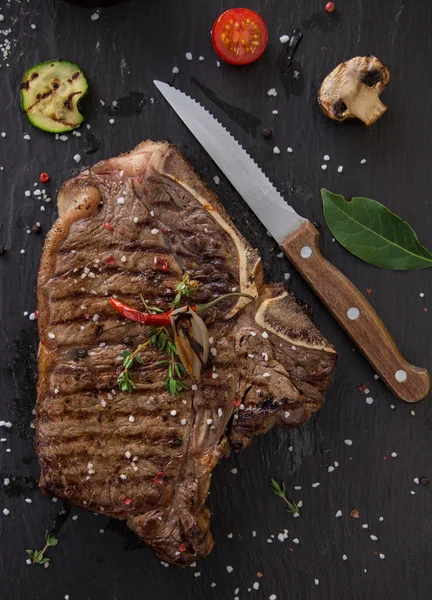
(50, 92)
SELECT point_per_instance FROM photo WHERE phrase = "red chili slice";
(239, 36)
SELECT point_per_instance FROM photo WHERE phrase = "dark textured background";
(121, 52)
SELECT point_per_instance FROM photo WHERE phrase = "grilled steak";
(135, 225)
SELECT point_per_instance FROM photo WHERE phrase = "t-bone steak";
(134, 226)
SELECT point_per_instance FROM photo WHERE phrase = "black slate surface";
(121, 52)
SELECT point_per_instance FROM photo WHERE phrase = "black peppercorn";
(267, 133)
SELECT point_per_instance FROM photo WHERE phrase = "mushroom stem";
(361, 100)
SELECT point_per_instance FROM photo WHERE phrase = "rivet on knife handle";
(354, 313)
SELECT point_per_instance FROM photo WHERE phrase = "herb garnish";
(370, 231)
(280, 490)
(159, 338)
(37, 556)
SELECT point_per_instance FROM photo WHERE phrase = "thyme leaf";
(280, 490)
(38, 556)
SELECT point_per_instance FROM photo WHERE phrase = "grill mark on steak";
(252, 383)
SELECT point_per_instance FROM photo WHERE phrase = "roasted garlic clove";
(191, 339)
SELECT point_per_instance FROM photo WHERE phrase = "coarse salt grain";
(373, 538)
(22, 251)
(154, 231)
(316, 484)
(330, 469)
(94, 16)
(326, 157)
(265, 334)
(338, 514)
(255, 585)
(183, 421)
(382, 556)
(77, 158)
(173, 413)
(340, 169)
(26, 137)
(27, 193)
(6, 481)
(276, 150)
(348, 442)
(316, 581)
(369, 400)
(234, 471)
(273, 597)
(131, 418)
(363, 160)
(194, 387)
(272, 92)
(296, 541)
(289, 149)
(284, 39)
(175, 70)
(111, 121)
(229, 569)
(365, 525)
(344, 557)
(323, 167)
(122, 476)
(6, 511)
(216, 179)
(189, 55)
(394, 454)
(51, 335)
(28, 500)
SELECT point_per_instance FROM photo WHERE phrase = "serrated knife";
(298, 239)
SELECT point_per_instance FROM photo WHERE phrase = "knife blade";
(298, 239)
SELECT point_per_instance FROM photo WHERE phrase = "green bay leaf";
(370, 231)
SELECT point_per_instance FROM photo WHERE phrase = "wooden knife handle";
(354, 313)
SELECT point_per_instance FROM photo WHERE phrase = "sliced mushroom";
(352, 90)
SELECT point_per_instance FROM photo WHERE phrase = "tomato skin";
(256, 26)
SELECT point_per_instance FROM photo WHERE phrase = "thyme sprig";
(280, 490)
(159, 337)
(38, 556)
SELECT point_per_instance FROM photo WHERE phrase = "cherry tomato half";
(239, 36)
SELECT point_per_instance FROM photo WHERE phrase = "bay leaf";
(370, 231)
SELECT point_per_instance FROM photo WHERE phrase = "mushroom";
(353, 88)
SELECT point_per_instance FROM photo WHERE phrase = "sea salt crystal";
(369, 400)
(6, 511)
(289, 149)
(316, 581)
(63, 138)
(183, 421)
(51, 335)
(323, 167)
(255, 585)
(123, 259)
(189, 55)
(213, 351)
(338, 514)
(265, 334)
(272, 92)
(229, 569)
(394, 454)
(275, 112)
(27, 193)
(94, 16)
(330, 469)
(6, 481)
(154, 231)
(284, 39)
(26, 137)
(120, 200)
(234, 471)
(220, 412)
(340, 169)
(103, 403)
(316, 484)
(266, 375)
(363, 161)
(296, 541)
(344, 557)
(209, 421)
(194, 387)
(131, 418)
(373, 538)
(111, 121)
(216, 179)
(22, 251)
(28, 500)
(173, 413)
(348, 442)
(382, 556)
(326, 157)
(175, 70)
(122, 476)
(77, 158)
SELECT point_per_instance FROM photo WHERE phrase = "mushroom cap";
(369, 70)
